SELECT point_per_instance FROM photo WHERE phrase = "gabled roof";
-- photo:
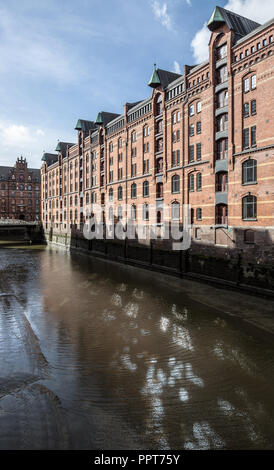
(5, 172)
(237, 23)
(104, 118)
(162, 77)
(85, 126)
(49, 158)
(131, 105)
(62, 147)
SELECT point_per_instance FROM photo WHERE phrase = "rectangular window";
(246, 138)
(198, 152)
(253, 82)
(120, 157)
(191, 110)
(133, 169)
(191, 130)
(173, 161)
(178, 116)
(199, 107)
(120, 173)
(252, 49)
(264, 42)
(270, 39)
(174, 136)
(191, 153)
(178, 157)
(253, 107)
(146, 166)
(110, 176)
(253, 136)
(199, 127)
(258, 46)
(246, 85)
(178, 136)
(246, 109)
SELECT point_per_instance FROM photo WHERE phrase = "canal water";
(94, 355)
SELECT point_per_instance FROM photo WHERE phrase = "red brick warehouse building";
(20, 188)
(203, 138)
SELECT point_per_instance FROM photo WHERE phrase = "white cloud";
(18, 139)
(160, 12)
(40, 132)
(189, 3)
(256, 10)
(199, 44)
(176, 67)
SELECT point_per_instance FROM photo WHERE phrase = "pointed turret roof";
(154, 79)
(162, 77)
(239, 24)
(104, 117)
(85, 126)
(49, 158)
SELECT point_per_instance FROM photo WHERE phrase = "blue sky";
(62, 60)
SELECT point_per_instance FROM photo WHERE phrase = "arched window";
(110, 194)
(145, 212)
(221, 214)
(249, 171)
(249, 207)
(145, 189)
(159, 190)
(120, 193)
(87, 198)
(199, 181)
(175, 211)
(221, 181)
(159, 104)
(175, 184)
(119, 212)
(133, 190)
(191, 182)
(110, 213)
(133, 212)
(249, 236)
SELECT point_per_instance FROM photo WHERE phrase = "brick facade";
(204, 138)
(20, 188)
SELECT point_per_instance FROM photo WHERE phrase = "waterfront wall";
(221, 266)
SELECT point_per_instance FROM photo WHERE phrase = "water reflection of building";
(203, 138)
(20, 191)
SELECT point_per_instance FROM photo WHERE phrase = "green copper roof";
(78, 126)
(99, 119)
(43, 157)
(154, 79)
(58, 148)
(215, 19)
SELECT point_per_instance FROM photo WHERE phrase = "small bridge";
(19, 230)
